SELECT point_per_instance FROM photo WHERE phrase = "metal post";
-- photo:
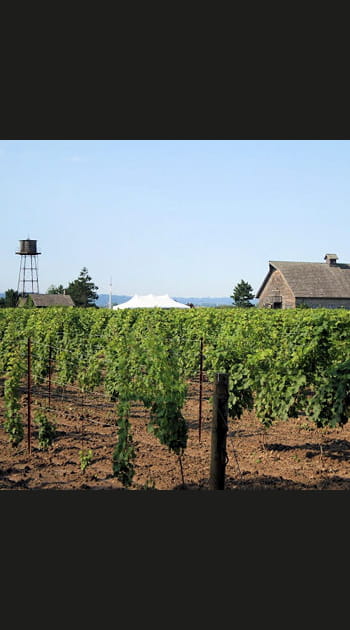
(29, 394)
(219, 431)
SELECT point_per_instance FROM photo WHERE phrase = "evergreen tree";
(52, 290)
(242, 294)
(10, 300)
(83, 290)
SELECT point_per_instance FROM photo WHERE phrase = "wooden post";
(200, 389)
(50, 368)
(218, 433)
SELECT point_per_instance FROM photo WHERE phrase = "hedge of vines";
(280, 364)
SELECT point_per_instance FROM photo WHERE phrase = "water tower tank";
(27, 247)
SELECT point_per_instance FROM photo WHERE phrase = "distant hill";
(103, 300)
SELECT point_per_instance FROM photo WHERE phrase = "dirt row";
(291, 455)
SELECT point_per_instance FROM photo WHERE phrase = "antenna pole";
(110, 294)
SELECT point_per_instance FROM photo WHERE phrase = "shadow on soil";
(333, 449)
(266, 482)
(261, 483)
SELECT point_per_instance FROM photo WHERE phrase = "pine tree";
(83, 290)
(52, 290)
(242, 294)
(10, 299)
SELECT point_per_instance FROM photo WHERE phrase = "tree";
(242, 294)
(52, 290)
(10, 300)
(83, 290)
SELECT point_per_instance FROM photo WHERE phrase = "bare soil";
(291, 455)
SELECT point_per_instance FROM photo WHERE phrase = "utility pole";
(110, 294)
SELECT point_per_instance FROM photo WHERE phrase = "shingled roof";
(313, 280)
(55, 299)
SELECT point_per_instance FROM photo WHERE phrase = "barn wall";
(276, 285)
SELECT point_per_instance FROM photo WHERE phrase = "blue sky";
(183, 217)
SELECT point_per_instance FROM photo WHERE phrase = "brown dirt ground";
(291, 455)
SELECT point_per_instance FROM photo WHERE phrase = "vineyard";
(93, 398)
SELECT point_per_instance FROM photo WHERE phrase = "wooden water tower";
(28, 271)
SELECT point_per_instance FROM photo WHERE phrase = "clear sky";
(183, 217)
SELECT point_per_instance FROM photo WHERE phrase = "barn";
(40, 300)
(290, 284)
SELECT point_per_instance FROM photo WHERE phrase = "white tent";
(150, 301)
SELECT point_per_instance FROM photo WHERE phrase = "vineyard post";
(218, 433)
(29, 393)
(50, 361)
(200, 389)
(82, 420)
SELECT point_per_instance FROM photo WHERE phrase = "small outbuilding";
(41, 300)
(315, 284)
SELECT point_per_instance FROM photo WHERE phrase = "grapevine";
(15, 370)
(280, 364)
(47, 429)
